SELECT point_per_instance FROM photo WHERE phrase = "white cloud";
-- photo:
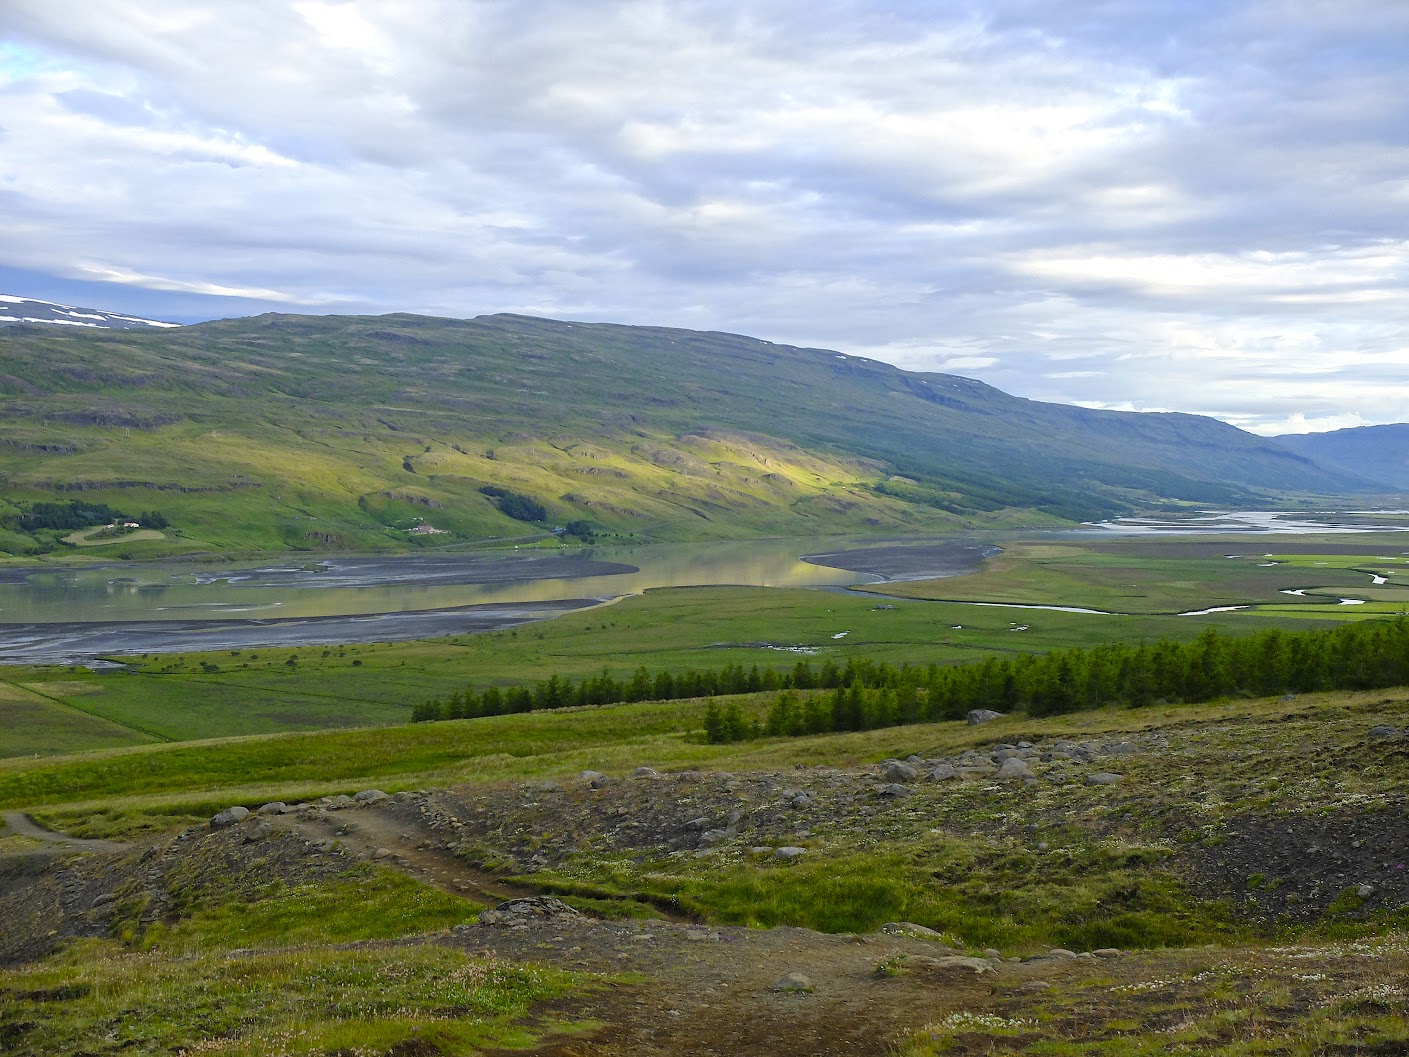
(1113, 204)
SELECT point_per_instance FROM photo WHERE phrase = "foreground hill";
(1380, 453)
(307, 431)
(1222, 880)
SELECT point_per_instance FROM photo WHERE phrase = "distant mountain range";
(350, 431)
(31, 310)
(1379, 453)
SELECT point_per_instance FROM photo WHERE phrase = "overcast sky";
(1182, 205)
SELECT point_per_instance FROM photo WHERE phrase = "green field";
(182, 697)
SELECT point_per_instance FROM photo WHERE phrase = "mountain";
(31, 310)
(1379, 453)
(348, 431)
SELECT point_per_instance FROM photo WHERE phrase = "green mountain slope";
(1379, 453)
(328, 431)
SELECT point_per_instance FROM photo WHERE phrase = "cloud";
(1197, 207)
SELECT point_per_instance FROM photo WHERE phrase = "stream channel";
(72, 615)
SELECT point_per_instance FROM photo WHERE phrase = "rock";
(992, 954)
(895, 771)
(522, 911)
(370, 796)
(1104, 778)
(336, 803)
(943, 773)
(261, 830)
(794, 982)
(229, 817)
(909, 928)
(1014, 768)
(1107, 952)
(1006, 752)
(1035, 985)
(1365, 891)
(589, 776)
(384, 853)
(789, 853)
(1381, 731)
(103, 900)
(713, 836)
(600, 782)
(278, 807)
(1061, 952)
(802, 800)
(982, 715)
(645, 772)
(954, 963)
(895, 791)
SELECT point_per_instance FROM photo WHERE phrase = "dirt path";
(705, 991)
(20, 824)
(387, 840)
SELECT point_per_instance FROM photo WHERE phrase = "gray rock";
(1006, 753)
(794, 982)
(383, 853)
(895, 771)
(909, 928)
(1107, 952)
(982, 715)
(229, 817)
(1104, 778)
(336, 803)
(278, 807)
(261, 830)
(800, 801)
(1381, 731)
(788, 853)
(645, 772)
(993, 954)
(954, 963)
(711, 837)
(370, 796)
(1365, 891)
(1014, 768)
(895, 791)
(523, 911)
(589, 776)
(943, 773)
(600, 782)
(1061, 952)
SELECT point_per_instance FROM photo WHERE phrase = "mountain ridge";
(347, 431)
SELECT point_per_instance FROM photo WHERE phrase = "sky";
(1183, 205)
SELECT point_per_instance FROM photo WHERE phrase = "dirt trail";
(713, 990)
(387, 840)
(19, 824)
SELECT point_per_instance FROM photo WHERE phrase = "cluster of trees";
(866, 694)
(519, 507)
(80, 514)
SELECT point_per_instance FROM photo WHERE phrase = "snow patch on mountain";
(15, 309)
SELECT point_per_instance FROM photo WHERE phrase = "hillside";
(346, 432)
(1380, 453)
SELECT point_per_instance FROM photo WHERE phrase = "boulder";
(788, 854)
(1381, 731)
(523, 911)
(895, 791)
(370, 797)
(794, 982)
(1014, 768)
(953, 963)
(1104, 778)
(944, 773)
(278, 807)
(895, 771)
(645, 772)
(229, 817)
(982, 715)
(589, 776)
